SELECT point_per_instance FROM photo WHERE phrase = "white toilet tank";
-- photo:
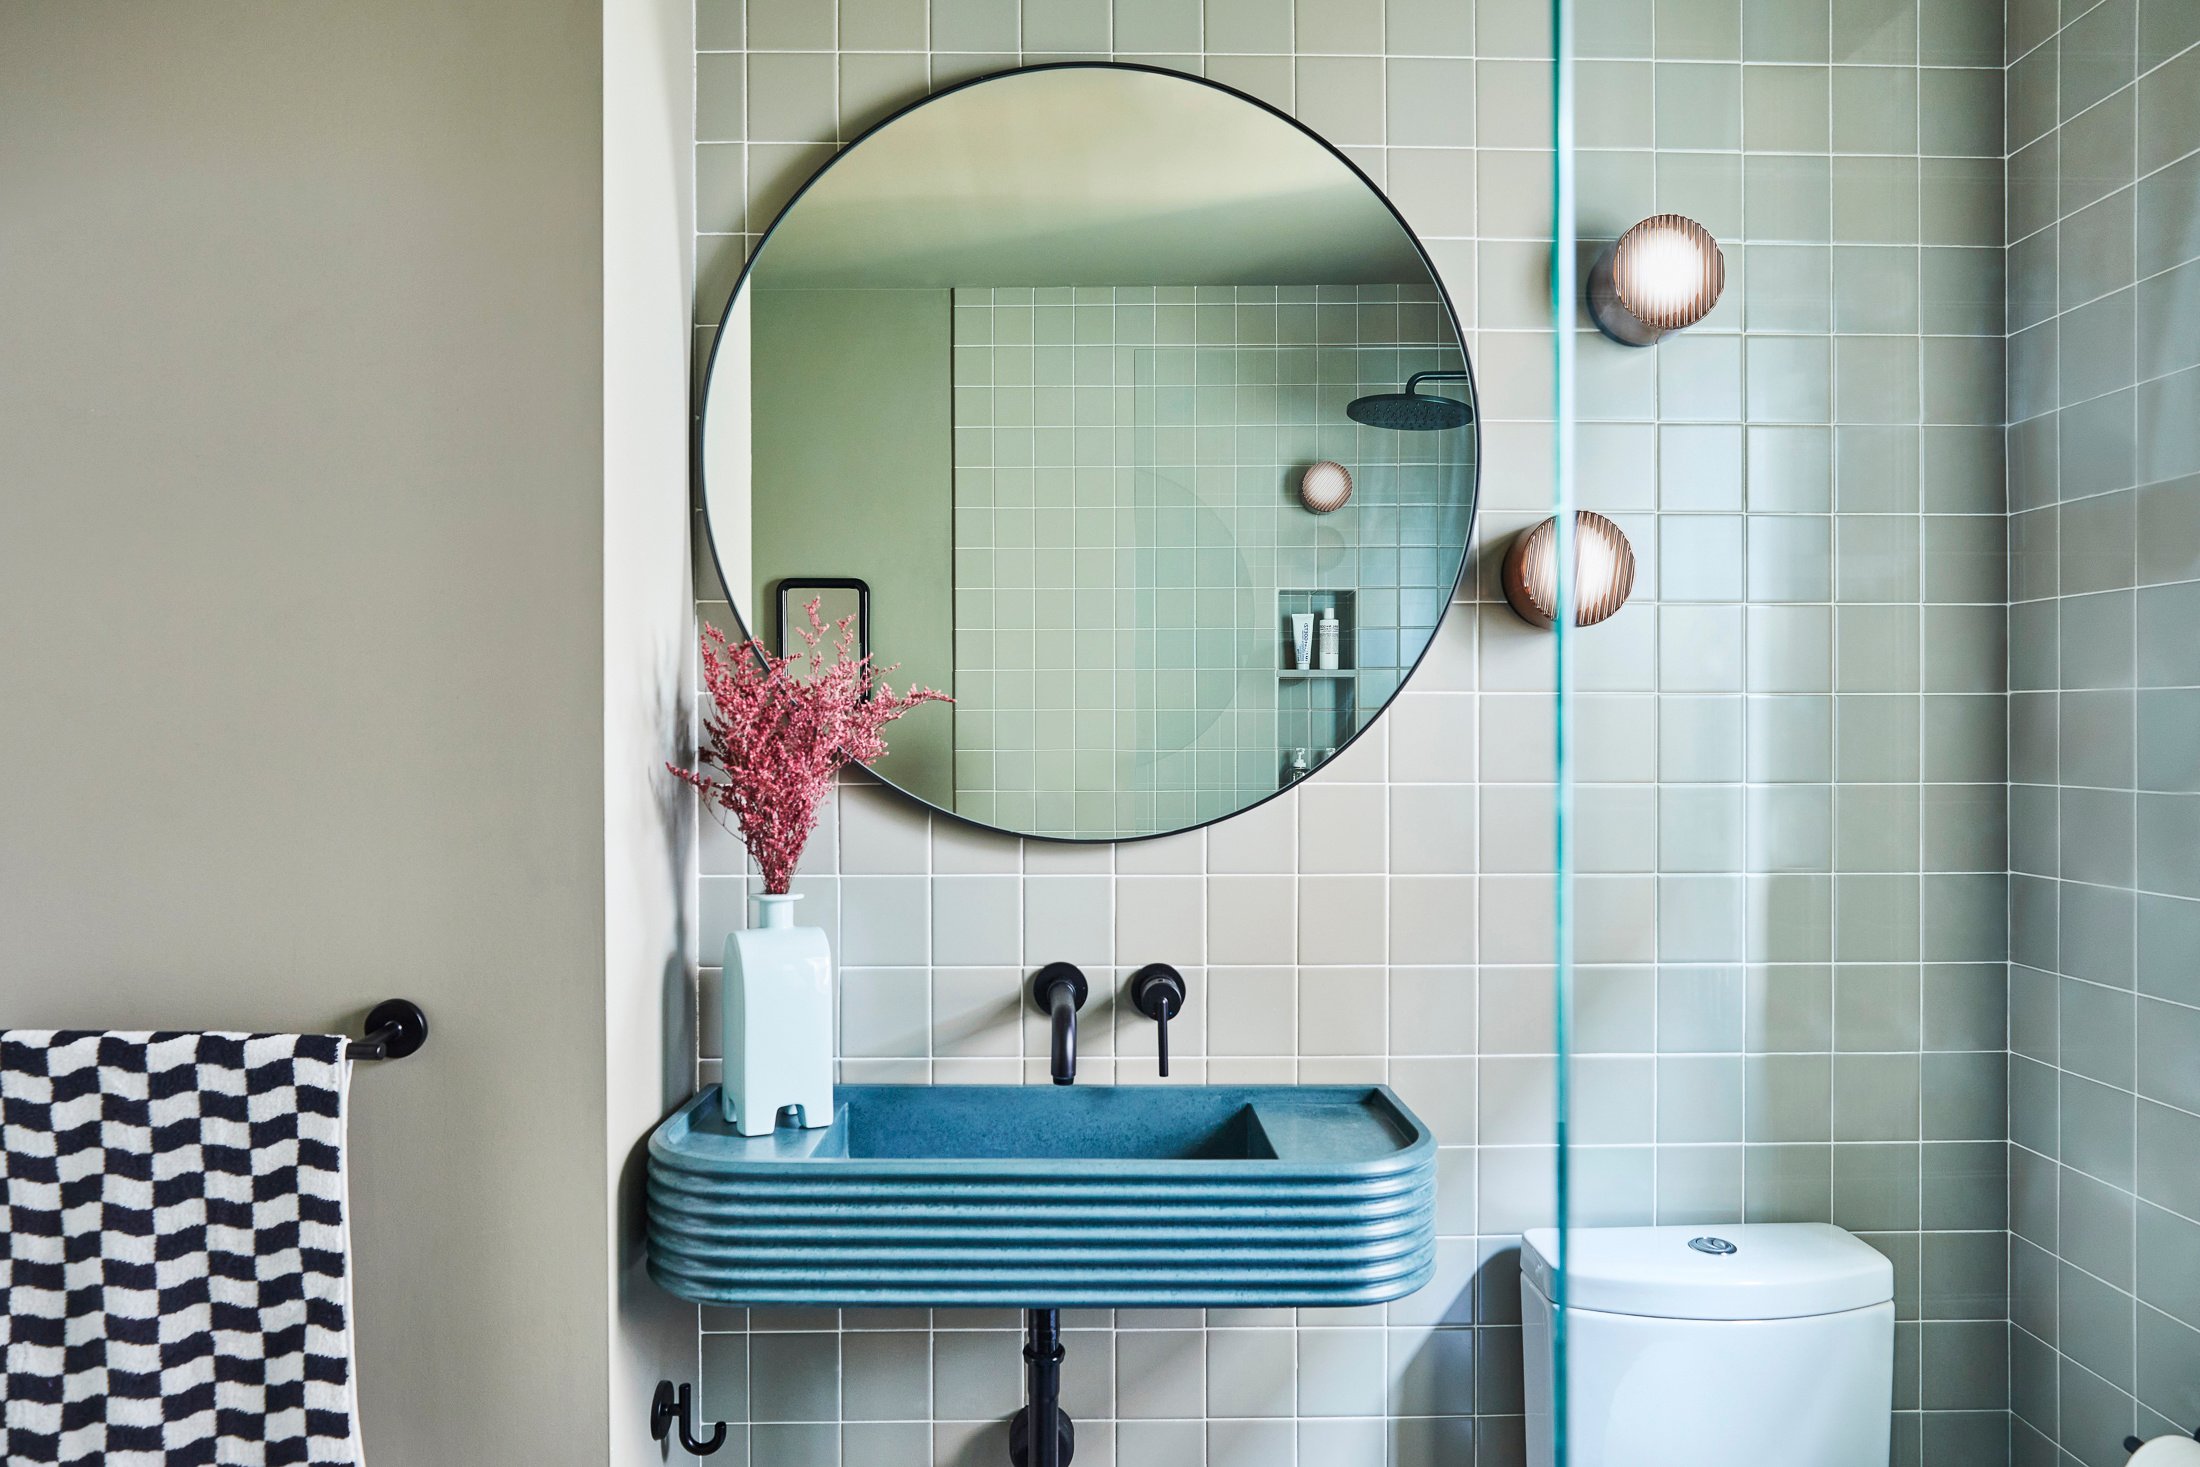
(1727, 1345)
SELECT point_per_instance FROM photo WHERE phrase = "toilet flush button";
(1717, 1246)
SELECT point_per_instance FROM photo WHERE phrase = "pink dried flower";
(780, 738)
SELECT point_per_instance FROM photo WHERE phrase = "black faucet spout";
(1059, 990)
(1062, 1010)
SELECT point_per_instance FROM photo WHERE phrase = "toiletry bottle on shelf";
(778, 1001)
(1298, 764)
(1328, 639)
(1302, 640)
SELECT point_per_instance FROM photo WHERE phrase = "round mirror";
(1121, 408)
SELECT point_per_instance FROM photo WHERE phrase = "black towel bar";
(395, 1028)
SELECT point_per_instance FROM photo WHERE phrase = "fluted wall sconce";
(1604, 570)
(1325, 487)
(1663, 275)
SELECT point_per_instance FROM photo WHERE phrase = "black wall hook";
(676, 1407)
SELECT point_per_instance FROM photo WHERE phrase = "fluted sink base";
(1044, 1197)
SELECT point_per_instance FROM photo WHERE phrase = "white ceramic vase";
(778, 1021)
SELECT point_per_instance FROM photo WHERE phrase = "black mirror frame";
(701, 402)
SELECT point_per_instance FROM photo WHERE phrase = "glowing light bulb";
(1604, 571)
(1664, 274)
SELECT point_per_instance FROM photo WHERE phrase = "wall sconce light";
(1662, 275)
(1325, 487)
(1604, 570)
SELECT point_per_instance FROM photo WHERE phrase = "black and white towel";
(175, 1283)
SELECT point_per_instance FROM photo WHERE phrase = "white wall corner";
(648, 621)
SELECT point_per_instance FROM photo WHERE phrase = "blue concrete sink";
(1041, 1197)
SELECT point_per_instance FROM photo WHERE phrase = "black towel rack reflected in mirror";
(396, 1027)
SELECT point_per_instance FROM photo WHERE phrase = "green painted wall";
(362, 530)
(854, 426)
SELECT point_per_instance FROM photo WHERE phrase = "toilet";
(1718, 1345)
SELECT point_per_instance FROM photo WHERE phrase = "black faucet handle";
(1158, 991)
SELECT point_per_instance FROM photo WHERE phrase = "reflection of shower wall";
(1126, 474)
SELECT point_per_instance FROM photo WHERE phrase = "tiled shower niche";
(1317, 708)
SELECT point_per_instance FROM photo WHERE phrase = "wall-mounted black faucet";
(1157, 991)
(1058, 990)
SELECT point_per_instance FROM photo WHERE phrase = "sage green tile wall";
(875, 457)
(1792, 745)
(2104, 314)
(1126, 513)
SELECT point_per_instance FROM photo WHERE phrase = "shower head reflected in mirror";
(1411, 412)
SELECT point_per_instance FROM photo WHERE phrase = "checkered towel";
(175, 1283)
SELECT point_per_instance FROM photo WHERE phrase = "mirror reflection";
(1142, 423)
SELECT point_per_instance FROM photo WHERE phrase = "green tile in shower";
(1962, 201)
(1875, 109)
(1877, 828)
(1876, 200)
(2096, 248)
(1786, 109)
(1960, 33)
(1878, 557)
(1789, 469)
(2096, 152)
(1966, 558)
(1789, 379)
(1700, 557)
(1876, 289)
(1790, 558)
(1786, 30)
(1963, 291)
(1614, 104)
(1878, 649)
(1883, 31)
(1961, 112)
(1700, 378)
(1698, 30)
(2097, 51)
(1967, 468)
(1789, 649)
(1699, 104)
(1876, 379)
(1603, 28)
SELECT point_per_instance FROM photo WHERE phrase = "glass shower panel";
(1541, 1310)
(1891, 907)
